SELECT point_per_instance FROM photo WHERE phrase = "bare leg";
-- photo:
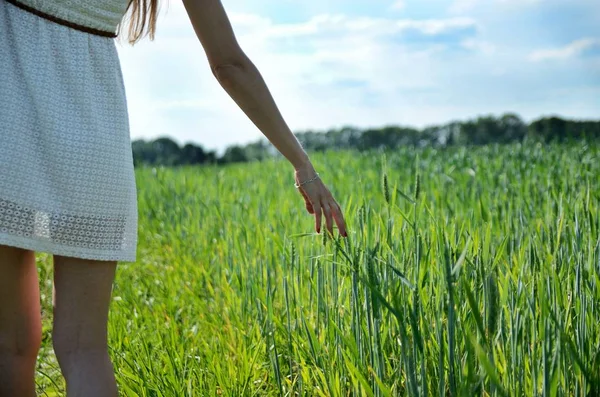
(82, 296)
(20, 322)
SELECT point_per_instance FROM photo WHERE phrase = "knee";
(71, 342)
(21, 344)
(62, 344)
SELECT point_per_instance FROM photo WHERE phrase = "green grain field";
(467, 272)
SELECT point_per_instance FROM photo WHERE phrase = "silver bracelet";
(297, 185)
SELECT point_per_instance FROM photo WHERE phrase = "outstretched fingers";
(320, 202)
(318, 217)
(332, 212)
(339, 219)
(328, 217)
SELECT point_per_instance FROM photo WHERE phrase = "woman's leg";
(82, 296)
(20, 322)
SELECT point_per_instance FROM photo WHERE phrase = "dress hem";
(50, 247)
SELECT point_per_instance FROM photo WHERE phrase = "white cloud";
(571, 50)
(462, 6)
(331, 70)
(398, 5)
(519, 2)
(350, 71)
(479, 45)
(327, 24)
(437, 26)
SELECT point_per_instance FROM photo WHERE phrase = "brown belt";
(60, 21)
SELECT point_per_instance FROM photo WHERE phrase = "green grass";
(467, 272)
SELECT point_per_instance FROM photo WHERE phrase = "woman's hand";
(319, 201)
(245, 85)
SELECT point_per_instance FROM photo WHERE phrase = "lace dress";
(67, 184)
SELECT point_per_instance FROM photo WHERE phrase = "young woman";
(67, 182)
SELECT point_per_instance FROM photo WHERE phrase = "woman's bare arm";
(240, 78)
(244, 83)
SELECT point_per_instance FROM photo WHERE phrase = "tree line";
(508, 128)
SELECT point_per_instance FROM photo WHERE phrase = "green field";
(473, 272)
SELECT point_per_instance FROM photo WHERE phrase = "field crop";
(467, 272)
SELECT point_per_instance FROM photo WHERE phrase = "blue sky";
(371, 63)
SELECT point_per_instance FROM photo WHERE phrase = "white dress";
(67, 184)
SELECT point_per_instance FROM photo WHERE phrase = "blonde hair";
(142, 19)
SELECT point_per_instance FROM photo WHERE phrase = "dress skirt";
(67, 183)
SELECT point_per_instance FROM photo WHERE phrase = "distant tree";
(485, 130)
(480, 131)
(389, 137)
(313, 141)
(513, 128)
(211, 157)
(235, 154)
(343, 138)
(164, 151)
(167, 151)
(258, 151)
(549, 129)
(142, 154)
(192, 154)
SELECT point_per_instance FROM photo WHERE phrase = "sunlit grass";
(466, 272)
